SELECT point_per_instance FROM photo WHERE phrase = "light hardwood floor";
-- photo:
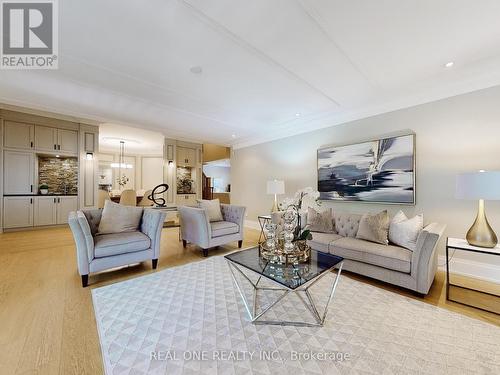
(47, 323)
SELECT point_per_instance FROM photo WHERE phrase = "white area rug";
(191, 320)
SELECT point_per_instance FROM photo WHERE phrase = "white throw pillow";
(212, 207)
(117, 218)
(404, 232)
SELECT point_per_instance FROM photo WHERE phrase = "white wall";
(452, 136)
(224, 173)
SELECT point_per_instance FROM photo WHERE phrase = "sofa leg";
(155, 263)
(240, 243)
(205, 252)
(184, 243)
(85, 280)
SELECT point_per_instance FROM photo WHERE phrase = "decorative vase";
(44, 191)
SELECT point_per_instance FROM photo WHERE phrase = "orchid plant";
(301, 201)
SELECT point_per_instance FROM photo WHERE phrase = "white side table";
(459, 244)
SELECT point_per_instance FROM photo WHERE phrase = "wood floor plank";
(47, 323)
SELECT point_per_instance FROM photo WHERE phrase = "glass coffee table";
(272, 279)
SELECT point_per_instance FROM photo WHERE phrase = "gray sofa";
(414, 270)
(100, 252)
(196, 227)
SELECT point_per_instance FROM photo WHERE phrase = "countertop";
(41, 195)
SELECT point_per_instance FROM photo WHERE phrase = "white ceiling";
(128, 62)
(137, 141)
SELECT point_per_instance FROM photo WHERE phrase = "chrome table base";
(302, 292)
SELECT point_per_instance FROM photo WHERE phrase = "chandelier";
(121, 159)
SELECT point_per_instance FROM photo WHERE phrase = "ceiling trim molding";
(316, 18)
(409, 102)
(221, 29)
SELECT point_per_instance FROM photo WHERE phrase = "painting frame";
(413, 200)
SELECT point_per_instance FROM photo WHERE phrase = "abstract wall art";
(379, 171)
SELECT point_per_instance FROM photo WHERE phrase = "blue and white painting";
(380, 171)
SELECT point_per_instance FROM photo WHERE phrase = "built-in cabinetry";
(19, 172)
(186, 156)
(19, 135)
(28, 211)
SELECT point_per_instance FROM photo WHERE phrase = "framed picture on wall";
(378, 171)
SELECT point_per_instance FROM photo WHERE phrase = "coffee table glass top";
(290, 276)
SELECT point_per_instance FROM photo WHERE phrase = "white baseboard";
(470, 268)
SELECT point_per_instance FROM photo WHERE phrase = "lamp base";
(275, 204)
(481, 234)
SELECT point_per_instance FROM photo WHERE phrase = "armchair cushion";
(223, 228)
(118, 218)
(120, 243)
(212, 207)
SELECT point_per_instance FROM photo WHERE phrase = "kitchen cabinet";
(19, 135)
(67, 141)
(186, 156)
(17, 212)
(56, 140)
(52, 210)
(45, 210)
(45, 138)
(65, 204)
(18, 172)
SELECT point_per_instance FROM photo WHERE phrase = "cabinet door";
(18, 172)
(67, 141)
(65, 205)
(191, 156)
(45, 138)
(17, 212)
(18, 135)
(181, 156)
(45, 210)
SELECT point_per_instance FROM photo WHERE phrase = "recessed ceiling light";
(233, 135)
(57, 156)
(196, 69)
(297, 114)
(449, 64)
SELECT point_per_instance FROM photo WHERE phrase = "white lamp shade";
(479, 185)
(276, 187)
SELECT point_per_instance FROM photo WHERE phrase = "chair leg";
(155, 263)
(205, 252)
(184, 243)
(240, 243)
(85, 280)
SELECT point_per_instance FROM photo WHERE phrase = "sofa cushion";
(106, 245)
(320, 221)
(321, 241)
(212, 207)
(387, 256)
(346, 224)
(223, 228)
(118, 218)
(404, 232)
(374, 228)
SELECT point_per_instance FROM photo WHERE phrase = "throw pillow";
(374, 228)
(117, 218)
(212, 207)
(404, 232)
(320, 221)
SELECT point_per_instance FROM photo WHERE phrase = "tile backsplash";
(57, 172)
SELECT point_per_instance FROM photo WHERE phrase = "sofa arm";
(424, 258)
(234, 214)
(195, 226)
(151, 226)
(83, 240)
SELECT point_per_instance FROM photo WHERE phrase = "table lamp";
(277, 188)
(482, 185)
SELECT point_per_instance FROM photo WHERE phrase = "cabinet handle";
(54, 200)
(31, 188)
(55, 147)
(58, 200)
(58, 147)
(31, 144)
(31, 200)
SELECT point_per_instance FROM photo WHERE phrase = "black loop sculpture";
(159, 202)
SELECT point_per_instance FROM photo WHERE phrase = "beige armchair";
(128, 197)
(196, 227)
